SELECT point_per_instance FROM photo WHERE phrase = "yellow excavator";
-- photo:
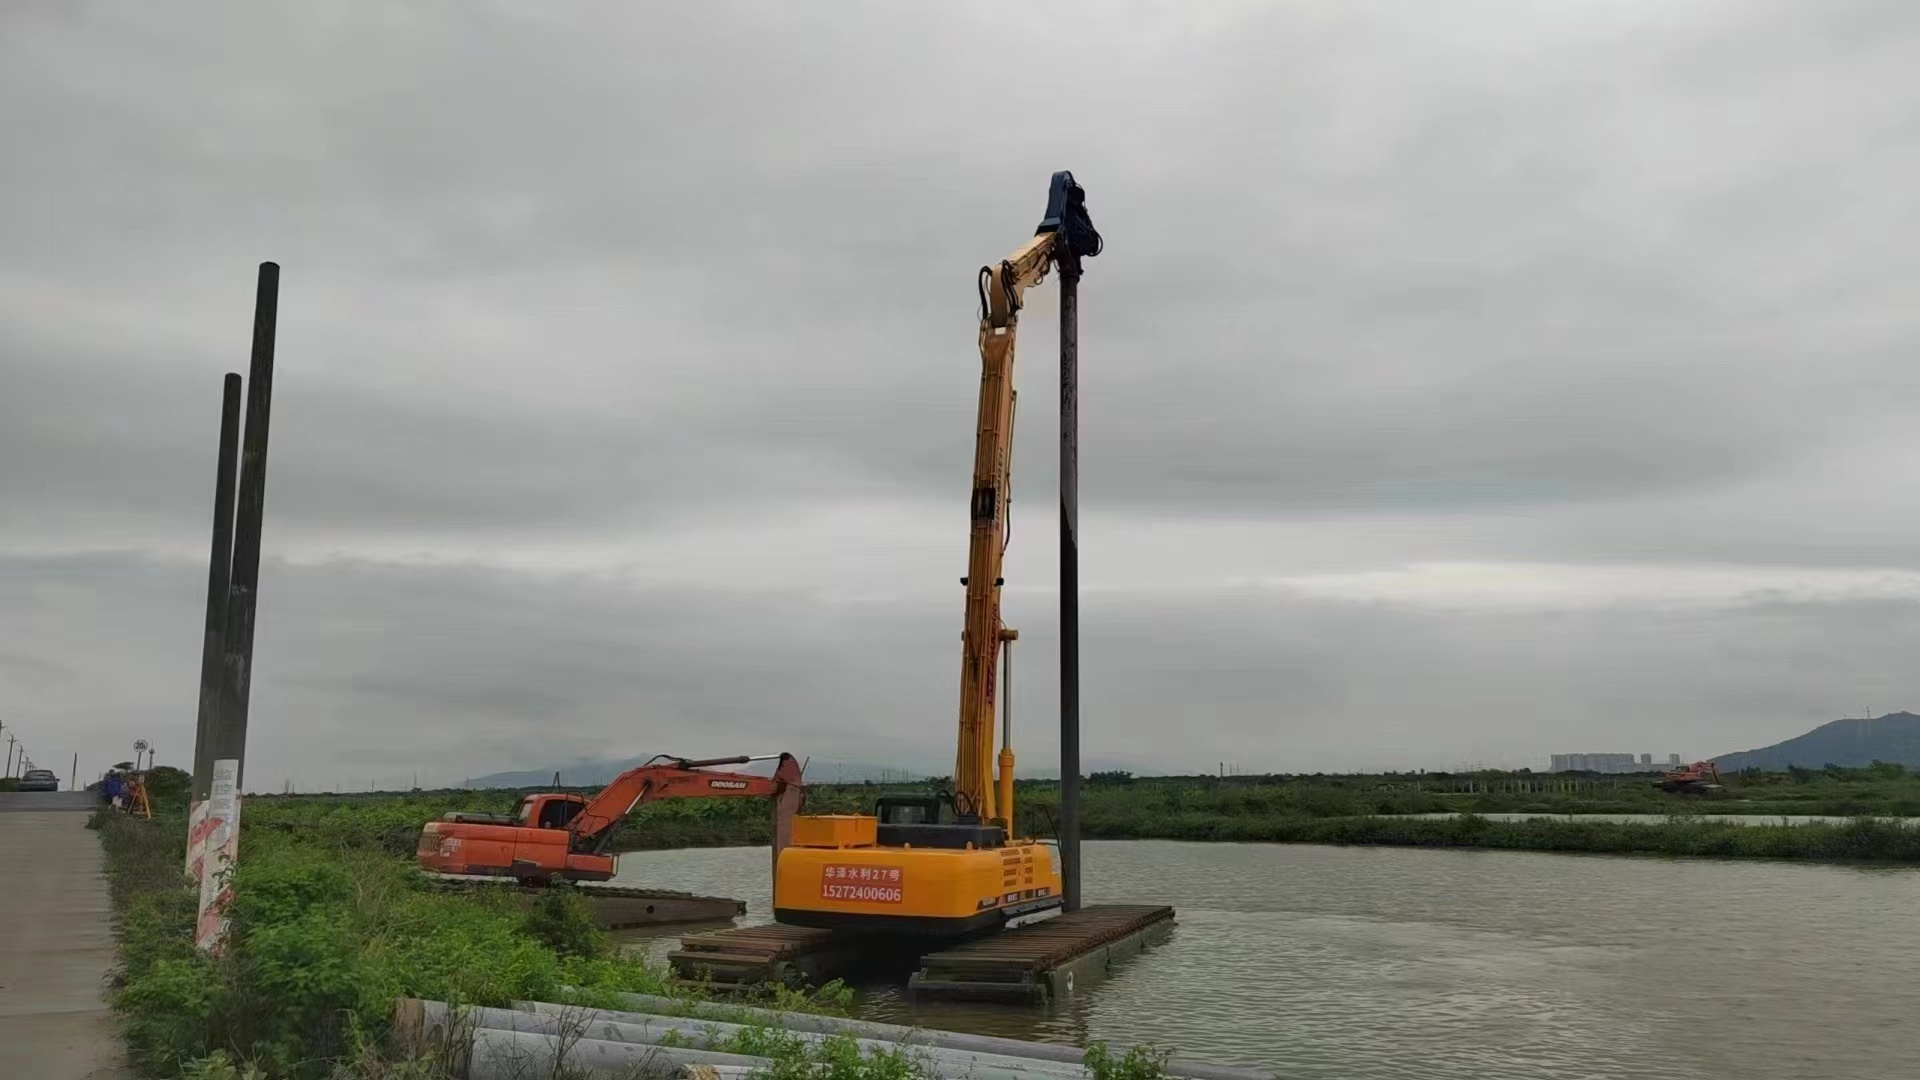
(950, 864)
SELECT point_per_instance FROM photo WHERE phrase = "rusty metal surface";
(614, 907)
(1042, 945)
(772, 941)
(749, 955)
(459, 882)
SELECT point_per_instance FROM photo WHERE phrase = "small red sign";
(873, 884)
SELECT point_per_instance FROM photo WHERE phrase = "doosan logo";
(733, 785)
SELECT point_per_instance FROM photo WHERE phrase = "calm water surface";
(1369, 963)
(1657, 819)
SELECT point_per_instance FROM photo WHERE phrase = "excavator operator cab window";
(915, 820)
(556, 813)
(907, 809)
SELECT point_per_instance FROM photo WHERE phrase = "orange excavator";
(952, 864)
(1699, 778)
(562, 836)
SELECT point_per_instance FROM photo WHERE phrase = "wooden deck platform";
(749, 955)
(1031, 963)
(1041, 960)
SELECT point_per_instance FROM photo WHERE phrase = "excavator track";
(614, 907)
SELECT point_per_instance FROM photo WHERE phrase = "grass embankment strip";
(1857, 841)
(1325, 810)
(1118, 806)
(329, 932)
(325, 939)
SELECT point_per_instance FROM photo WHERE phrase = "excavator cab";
(907, 809)
(550, 811)
(916, 821)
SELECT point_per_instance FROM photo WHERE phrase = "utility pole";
(219, 566)
(244, 582)
(219, 829)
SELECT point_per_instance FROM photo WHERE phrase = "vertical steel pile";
(1070, 573)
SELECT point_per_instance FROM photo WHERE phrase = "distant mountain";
(596, 773)
(1893, 738)
(819, 771)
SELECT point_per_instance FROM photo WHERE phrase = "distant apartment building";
(1607, 763)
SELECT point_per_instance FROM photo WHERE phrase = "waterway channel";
(1388, 963)
(1662, 819)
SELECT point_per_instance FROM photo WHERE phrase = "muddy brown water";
(1375, 963)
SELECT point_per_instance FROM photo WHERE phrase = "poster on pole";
(196, 839)
(221, 844)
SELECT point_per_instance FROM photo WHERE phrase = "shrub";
(325, 935)
(1138, 1063)
(562, 921)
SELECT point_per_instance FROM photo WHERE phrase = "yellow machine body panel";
(945, 892)
(835, 830)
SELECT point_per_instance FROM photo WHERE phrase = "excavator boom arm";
(1066, 232)
(678, 779)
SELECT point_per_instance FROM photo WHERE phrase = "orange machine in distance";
(567, 836)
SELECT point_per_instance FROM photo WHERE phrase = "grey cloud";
(1623, 283)
(89, 441)
(368, 670)
(1429, 289)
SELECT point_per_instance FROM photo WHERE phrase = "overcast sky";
(1461, 382)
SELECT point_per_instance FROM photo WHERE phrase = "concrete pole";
(244, 582)
(1070, 578)
(219, 565)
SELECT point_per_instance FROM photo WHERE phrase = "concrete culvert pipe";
(910, 1036)
(504, 1044)
(651, 1028)
(521, 1055)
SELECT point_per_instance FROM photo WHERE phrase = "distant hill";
(596, 773)
(819, 771)
(1894, 738)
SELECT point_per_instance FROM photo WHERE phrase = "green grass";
(332, 923)
(1864, 840)
(325, 937)
(323, 942)
(1278, 809)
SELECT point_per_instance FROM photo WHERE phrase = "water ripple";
(1383, 963)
